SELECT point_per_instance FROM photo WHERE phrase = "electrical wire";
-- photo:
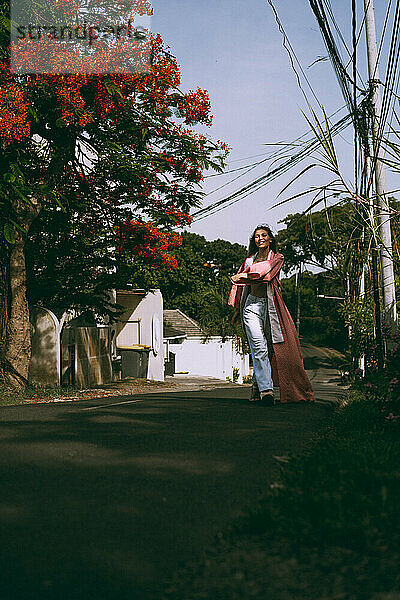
(333, 19)
(293, 57)
(343, 78)
(233, 170)
(236, 178)
(248, 157)
(242, 193)
(277, 155)
(383, 31)
(391, 69)
(389, 83)
(396, 96)
(332, 16)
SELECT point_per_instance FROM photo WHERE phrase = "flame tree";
(110, 161)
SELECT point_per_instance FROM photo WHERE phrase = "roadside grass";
(345, 489)
(328, 528)
(35, 394)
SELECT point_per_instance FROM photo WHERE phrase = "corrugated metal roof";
(178, 320)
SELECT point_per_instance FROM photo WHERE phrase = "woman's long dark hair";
(253, 248)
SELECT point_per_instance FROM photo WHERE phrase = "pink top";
(263, 271)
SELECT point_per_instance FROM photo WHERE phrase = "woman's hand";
(235, 278)
(240, 276)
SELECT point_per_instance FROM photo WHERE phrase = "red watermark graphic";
(81, 36)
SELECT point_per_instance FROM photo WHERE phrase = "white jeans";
(253, 319)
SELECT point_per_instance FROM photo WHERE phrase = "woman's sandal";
(268, 398)
(255, 393)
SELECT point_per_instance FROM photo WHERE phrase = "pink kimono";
(287, 362)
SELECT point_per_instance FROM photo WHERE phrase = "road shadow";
(103, 504)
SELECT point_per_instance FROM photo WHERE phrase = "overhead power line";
(343, 77)
(349, 94)
(293, 58)
(391, 74)
(307, 149)
(279, 154)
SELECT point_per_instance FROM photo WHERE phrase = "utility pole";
(361, 360)
(298, 284)
(374, 264)
(383, 210)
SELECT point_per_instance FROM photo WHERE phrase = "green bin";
(134, 362)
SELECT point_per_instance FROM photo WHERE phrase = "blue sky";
(234, 50)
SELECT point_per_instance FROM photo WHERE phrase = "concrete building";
(73, 350)
(139, 333)
(69, 351)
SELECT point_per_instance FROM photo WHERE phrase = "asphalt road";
(104, 499)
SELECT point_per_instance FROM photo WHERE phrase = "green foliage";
(214, 313)
(316, 239)
(200, 285)
(70, 262)
(321, 320)
(359, 316)
(331, 239)
(382, 386)
(323, 238)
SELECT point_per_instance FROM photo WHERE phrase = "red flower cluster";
(149, 243)
(224, 147)
(106, 95)
(14, 123)
(196, 107)
(142, 7)
(73, 105)
(164, 75)
(174, 155)
(14, 106)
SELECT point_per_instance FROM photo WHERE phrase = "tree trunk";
(16, 353)
(18, 336)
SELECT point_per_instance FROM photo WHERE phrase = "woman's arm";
(237, 288)
(262, 271)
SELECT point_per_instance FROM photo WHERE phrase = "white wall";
(45, 363)
(213, 358)
(146, 310)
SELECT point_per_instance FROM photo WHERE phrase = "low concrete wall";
(213, 358)
(44, 367)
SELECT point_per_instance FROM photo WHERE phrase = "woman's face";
(262, 238)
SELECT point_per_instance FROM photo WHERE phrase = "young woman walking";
(271, 333)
